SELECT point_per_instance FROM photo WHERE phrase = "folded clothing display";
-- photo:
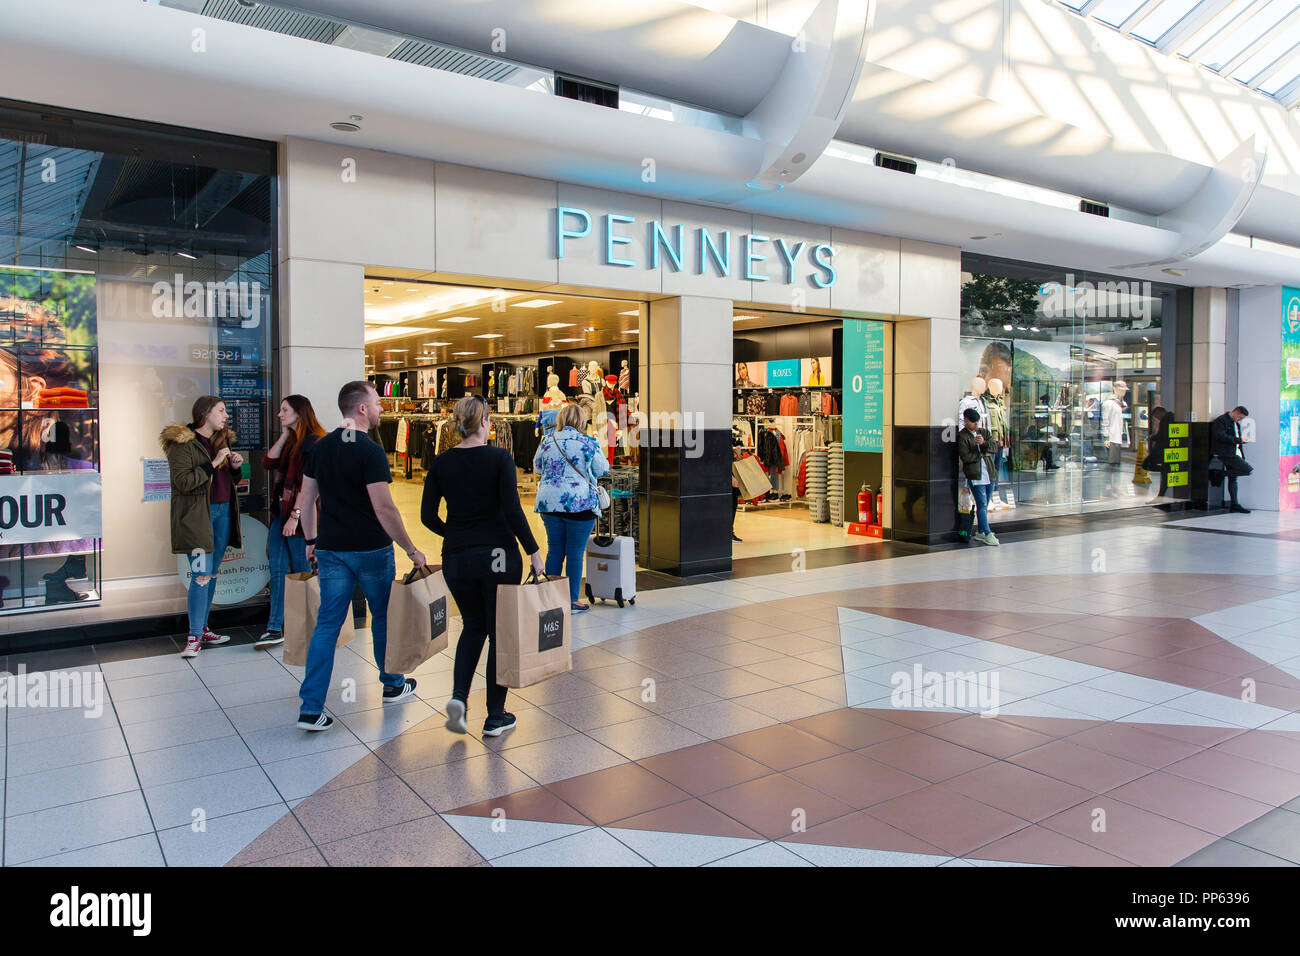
(62, 398)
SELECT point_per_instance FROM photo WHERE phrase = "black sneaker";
(393, 694)
(496, 726)
(268, 639)
(315, 722)
(1239, 510)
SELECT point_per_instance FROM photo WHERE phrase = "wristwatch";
(296, 513)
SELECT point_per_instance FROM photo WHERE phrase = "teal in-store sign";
(864, 385)
(782, 373)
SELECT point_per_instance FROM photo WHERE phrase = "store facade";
(137, 272)
(694, 270)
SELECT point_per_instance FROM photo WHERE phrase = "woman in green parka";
(205, 508)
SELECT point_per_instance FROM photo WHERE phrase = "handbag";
(602, 496)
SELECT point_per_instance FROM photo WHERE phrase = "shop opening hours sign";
(864, 385)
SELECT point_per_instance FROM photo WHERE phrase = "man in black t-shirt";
(358, 524)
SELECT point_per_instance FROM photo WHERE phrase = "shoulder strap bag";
(602, 496)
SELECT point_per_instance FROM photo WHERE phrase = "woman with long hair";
(285, 545)
(1157, 442)
(815, 376)
(204, 507)
(484, 519)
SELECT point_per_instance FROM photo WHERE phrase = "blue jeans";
(566, 546)
(998, 456)
(981, 495)
(288, 556)
(198, 601)
(340, 572)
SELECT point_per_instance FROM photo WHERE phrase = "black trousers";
(473, 583)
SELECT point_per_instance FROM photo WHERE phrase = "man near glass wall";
(1225, 443)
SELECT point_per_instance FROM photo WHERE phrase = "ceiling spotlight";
(345, 127)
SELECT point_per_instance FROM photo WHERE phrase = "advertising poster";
(815, 372)
(783, 374)
(864, 385)
(750, 374)
(1289, 431)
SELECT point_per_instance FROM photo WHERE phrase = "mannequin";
(974, 399)
(553, 398)
(592, 384)
(446, 374)
(624, 378)
(1114, 430)
(998, 429)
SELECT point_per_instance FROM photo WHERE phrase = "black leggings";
(473, 583)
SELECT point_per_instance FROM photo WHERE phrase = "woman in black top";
(484, 518)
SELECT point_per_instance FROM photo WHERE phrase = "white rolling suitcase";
(611, 569)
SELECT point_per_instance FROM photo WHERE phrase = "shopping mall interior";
(902, 400)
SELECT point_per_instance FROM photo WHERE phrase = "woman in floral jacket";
(568, 463)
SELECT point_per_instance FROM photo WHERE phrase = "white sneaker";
(192, 647)
(990, 539)
(456, 716)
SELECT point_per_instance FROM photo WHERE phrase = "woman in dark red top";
(299, 431)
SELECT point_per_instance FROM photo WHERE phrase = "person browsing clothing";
(204, 507)
(484, 519)
(974, 451)
(568, 464)
(359, 522)
(299, 432)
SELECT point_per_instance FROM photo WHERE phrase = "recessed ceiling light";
(556, 325)
(86, 249)
(568, 340)
(393, 351)
(489, 335)
(742, 318)
(464, 353)
(460, 318)
(631, 331)
(437, 344)
(537, 303)
(1175, 272)
(412, 290)
(631, 312)
(590, 328)
(186, 255)
(388, 297)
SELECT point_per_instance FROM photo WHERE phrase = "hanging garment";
(625, 379)
(403, 433)
(756, 404)
(789, 404)
(573, 376)
(805, 403)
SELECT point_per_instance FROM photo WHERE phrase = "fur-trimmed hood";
(174, 435)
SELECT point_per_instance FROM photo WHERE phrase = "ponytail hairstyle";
(308, 423)
(203, 405)
(468, 414)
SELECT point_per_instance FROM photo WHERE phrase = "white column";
(1209, 354)
(322, 331)
(1259, 388)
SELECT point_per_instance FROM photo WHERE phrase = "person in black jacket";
(1225, 442)
(974, 454)
(484, 518)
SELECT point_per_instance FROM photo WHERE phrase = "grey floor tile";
(264, 715)
(1227, 853)
(162, 706)
(1276, 833)
(646, 737)
(209, 797)
(259, 667)
(133, 851)
(256, 691)
(386, 721)
(145, 666)
(298, 777)
(38, 755)
(563, 757)
(152, 685)
(285, 741)
(55, 788)
(189, 760)
(766, 854)
(592, 847)
(492, 838)
(680, 849)
(467, 781)
(77, 825)
(60, 724)
(174, 731)
(220, 840)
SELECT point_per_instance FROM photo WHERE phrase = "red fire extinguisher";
(880, 508)
(864, 504)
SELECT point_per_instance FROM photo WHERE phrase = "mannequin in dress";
(592, 384)
(1114, 432)
(625, 378)
(553, 398)
(995, 402)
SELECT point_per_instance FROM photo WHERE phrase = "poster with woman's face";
(751, 374)
(815, 371)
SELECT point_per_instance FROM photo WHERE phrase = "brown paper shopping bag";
(301, 605)
(534, 640)
(417, 620)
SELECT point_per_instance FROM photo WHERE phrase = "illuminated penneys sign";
(708, 252)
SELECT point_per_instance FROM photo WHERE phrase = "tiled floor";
(1145, 714)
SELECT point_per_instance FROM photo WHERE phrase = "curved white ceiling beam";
(1215, 208)
(254, 83)
(669, 48)
(803, 110)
